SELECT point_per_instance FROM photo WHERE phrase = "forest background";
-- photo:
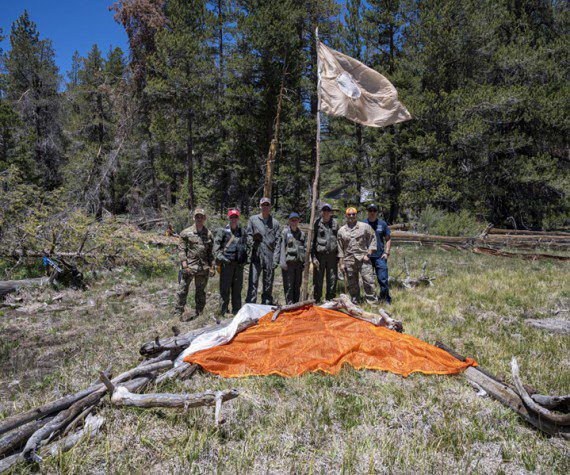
(185, 118)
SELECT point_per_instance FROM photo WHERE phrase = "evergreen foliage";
(188, 119)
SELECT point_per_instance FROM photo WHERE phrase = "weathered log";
(182, 371)
(520, 255)
(177, 343)
(560, 419)
(294, 306)
(526, 232)
(523, 242)
(561, 403)
(66, 416)
(15, 439)
(57, 423)
(507, 396)
(383, 319)
(8, 286)
(90, 430)
(123, 397)
(65, 402)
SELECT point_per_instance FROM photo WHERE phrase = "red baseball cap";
(233, 212)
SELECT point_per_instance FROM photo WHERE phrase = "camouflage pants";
(201, 280)
(355, 269)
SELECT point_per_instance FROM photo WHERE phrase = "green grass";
(355, 422)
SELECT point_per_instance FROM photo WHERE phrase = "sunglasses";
(234, 217)
(351, 214)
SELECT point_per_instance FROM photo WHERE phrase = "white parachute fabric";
(249, 311)
(353, 90)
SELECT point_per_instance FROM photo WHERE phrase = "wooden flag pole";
(305, 293)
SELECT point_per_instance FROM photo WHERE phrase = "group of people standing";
(358, 249)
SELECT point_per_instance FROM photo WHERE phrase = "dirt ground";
(53, 342)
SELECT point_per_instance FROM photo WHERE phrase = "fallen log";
(15, 439)
(176, 344)
(560, 419)
(561, 403)
(182, 371)
(383, 319)
(293, 306)
(497, 241)
(66, 416)
(528, 233)
(521, 255)
(90, 430)
(123, 397)
(65, 402)
(9, 286)
(507, 396)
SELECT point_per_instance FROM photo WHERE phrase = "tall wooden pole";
(267, 188)
(315, 181)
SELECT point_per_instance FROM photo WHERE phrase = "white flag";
(357, 92)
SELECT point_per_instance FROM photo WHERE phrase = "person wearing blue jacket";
(379, 258)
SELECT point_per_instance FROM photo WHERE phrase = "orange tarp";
(313, 339)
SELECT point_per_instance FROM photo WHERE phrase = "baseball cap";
(264, 200)
(198, 211)
(372, 207)
(326, 206)
(351, 210)
(294, 215)
(233, 212)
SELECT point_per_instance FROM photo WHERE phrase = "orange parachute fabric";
(317, 339)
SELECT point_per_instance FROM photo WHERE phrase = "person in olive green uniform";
(292, 259)
(324, 253)
(264, 237)
(230, 251)
(197, 262)
(356, 242)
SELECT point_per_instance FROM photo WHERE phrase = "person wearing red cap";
(230, 251)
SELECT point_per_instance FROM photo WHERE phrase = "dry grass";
(358, 421)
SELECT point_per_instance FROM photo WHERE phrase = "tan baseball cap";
(198, 211)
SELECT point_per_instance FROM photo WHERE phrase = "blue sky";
(71, 25)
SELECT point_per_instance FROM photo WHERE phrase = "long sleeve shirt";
(195, 247)
(356, 242)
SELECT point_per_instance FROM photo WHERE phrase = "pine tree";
(32, 88)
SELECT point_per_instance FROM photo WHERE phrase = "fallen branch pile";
(536, 409)
(408, 282)
(28, 436)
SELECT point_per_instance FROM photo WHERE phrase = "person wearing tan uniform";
(356, 242)
(196, 261)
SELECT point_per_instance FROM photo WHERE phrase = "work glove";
(212, 271)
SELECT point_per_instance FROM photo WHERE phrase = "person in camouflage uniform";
(324, 253)
(356, 242)
(197, 262)
(292, 259)
(264, 236)
(230, 251)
